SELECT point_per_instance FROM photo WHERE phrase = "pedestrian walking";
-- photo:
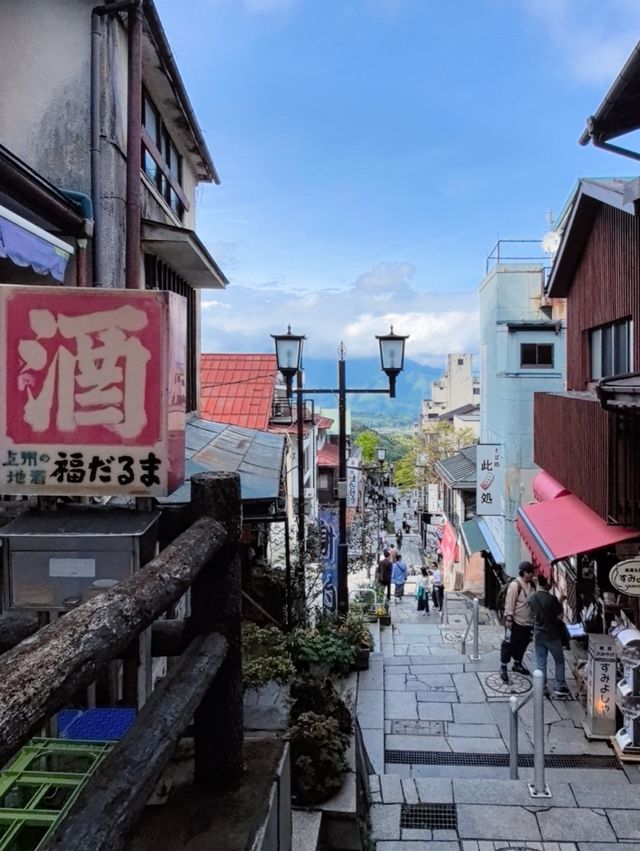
(399, 539)
(518, 619)
(549, 635)
(422, 591)
(437, 587)
(398, 577)
(383, 573)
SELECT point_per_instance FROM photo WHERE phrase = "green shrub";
(322, 647)
(308, 695)
(318, 765)
(265, 656)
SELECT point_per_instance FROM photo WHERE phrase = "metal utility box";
(54, 560)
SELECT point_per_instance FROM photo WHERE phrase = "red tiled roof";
(329, 456)
(237, 389)
(323, 422)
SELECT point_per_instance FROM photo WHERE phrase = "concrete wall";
(45, 112)
(512, 293)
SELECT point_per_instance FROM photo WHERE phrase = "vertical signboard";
(600, 722)
(353, 486)
(433, 505)
(328, 522)
(92, 395)
(489, 479)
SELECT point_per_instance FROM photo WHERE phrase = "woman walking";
(398, 577)
(422, 591)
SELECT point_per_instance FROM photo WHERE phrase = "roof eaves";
(166, 55)
(590, 196)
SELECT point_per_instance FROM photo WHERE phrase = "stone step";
(502, 811)
(305, 832)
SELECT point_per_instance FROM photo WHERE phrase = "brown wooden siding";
(593, 453)
(571, 442)
(606, 288)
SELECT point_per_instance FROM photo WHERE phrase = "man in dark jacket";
(383, 572)
(548, 634)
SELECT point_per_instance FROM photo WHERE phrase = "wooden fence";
(42, 673)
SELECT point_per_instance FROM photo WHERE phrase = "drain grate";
(417, 728)
(428, 817)
(498, 760)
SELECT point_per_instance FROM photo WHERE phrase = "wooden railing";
(41, 674)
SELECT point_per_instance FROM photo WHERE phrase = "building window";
(536, 355)
(460, 361)
(160, 158)
(324, 482)
(610, 349)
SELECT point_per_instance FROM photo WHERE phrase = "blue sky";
(372, 152)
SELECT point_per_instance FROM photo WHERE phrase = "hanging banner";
(328, 523)
(489, 479)
(433, 504)
(92, 391)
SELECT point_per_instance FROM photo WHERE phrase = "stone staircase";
(435, 726)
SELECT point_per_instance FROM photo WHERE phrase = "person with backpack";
(518, 621)
(549, 635)
(383, 572)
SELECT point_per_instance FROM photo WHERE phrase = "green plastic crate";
(39, 786)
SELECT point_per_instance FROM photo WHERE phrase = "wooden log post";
(216, 601)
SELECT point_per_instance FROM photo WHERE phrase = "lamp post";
(288, 356)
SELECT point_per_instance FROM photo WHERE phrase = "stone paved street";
(436, 728)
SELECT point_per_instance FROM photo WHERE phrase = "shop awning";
(546, 487)
(473, 538)
(492, 544)
(26, 244)
(565, 526)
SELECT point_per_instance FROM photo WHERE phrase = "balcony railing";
(591, 452)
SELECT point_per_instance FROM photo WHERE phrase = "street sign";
(489, 479)
(625, 577)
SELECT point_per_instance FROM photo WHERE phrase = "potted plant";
(382, 608)
(355, 630)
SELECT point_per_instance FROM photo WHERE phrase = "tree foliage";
(416, 467)
(368, 442)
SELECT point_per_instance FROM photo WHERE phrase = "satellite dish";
(550, 242)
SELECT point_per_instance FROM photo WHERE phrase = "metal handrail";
(475, 622)
(444, 611)
(537, 789)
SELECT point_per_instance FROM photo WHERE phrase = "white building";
(457, 388)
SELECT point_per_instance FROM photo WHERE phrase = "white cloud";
(436, 323)
(593, 38)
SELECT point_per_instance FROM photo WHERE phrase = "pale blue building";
(522, 351)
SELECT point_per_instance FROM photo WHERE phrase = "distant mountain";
(412, 386)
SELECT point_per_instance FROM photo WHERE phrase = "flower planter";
(385, 620)
(361, 662)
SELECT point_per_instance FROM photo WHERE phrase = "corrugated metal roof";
(238, 389)
(220, 447)
(459, 471)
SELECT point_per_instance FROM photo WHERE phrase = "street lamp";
(288, 356)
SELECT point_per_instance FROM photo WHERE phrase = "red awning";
(546, 487)
(565, 526)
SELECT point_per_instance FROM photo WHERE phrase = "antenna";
(551, 239)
